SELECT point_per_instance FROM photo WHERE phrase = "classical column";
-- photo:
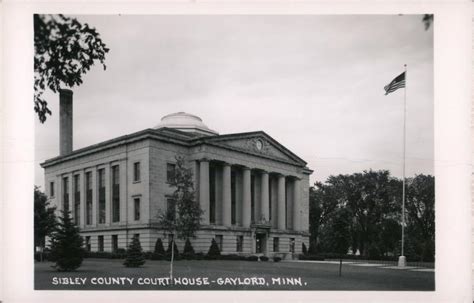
(281, 202)
(296, 204)
(264, 203)
(226, 196)
(246, 199)
(204, 190)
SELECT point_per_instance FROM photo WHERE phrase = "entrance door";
(261, 243)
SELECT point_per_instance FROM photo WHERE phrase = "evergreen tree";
(135, 257)
(304, 249)
(66, 245)
(188, 250)
(159, 249)
(214, 251)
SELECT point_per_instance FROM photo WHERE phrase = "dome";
(185, 122)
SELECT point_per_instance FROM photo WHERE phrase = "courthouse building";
(253, 191)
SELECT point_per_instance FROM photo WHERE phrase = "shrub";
(214, 252)
(135, 257)
(233, 257)
(311, 257)
(159, 249)
(305, 250)
(276, 259)
(252, 258)
(263, 258)
(188, 250)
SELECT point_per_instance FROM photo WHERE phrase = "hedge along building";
(253, 191)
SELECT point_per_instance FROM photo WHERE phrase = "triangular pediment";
(258, 143)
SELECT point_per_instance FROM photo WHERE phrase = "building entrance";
(261, 243)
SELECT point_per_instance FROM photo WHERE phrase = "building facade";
(254, 192)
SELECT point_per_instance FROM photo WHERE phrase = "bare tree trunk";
(172, 258)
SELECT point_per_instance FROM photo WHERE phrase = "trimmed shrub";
(188, 250)
(252, 258)
(311, 257)
(305, 250)
(159, 249)
(276, 259)
(214, 252)
(135, 257)
(263, 258)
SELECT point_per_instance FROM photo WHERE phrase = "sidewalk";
(367, 264)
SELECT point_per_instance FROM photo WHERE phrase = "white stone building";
(254, 192)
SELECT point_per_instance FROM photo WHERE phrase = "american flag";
(396, 83)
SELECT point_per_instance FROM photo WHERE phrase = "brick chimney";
(65, 122)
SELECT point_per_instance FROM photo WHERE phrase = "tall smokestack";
(65, 122)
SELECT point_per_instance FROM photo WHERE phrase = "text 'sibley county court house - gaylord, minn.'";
(253, 191)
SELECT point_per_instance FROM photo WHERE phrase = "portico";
(243, 194)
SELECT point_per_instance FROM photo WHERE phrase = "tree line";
(361, 214)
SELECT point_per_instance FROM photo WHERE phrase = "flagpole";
(402, 258)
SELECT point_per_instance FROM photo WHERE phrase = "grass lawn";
(224, 275)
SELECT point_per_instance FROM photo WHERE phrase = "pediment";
(258, 143)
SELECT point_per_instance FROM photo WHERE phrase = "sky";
(312, 82)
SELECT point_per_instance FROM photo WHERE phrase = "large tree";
(182, 217)
(420, 205)
(66, 244)
(371, 198)
(44, 218)
(65, 49)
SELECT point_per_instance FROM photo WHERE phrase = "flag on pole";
(396, 83)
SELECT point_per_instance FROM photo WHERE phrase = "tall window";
(136, 209)
(51, 189)
(101, 177)
(136, 172)
(88, 243)
(77, 199)
(171, 209)
(276, 244)
(170, 172)
(233, 210)
(114, 243)
(89, 198)
(219, 240)
(292, 245)
(240, 243)
(66, 194)
(115, 193)
(100, 239)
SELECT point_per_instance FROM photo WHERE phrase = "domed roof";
(185, 122)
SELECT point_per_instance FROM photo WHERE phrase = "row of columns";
(204, 196)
